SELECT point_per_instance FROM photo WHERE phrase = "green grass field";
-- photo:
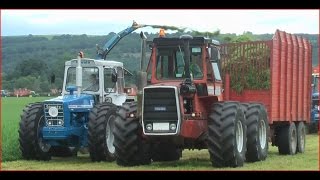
(191, 160)
(11, 108)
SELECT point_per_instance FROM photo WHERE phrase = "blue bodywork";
(69, 127)
(315, 108)
(116, 38)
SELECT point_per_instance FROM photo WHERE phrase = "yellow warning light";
(162, 33)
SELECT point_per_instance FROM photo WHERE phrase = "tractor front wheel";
(32, 145)
(100, 136)
(257, 133)
(227, 135)
(131, 148)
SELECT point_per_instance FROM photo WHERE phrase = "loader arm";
(102, 53)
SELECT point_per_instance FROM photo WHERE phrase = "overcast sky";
(102, 22)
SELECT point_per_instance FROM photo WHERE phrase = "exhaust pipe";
(79, 74)
(141, 75)
(185, 39)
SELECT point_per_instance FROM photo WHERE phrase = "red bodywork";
(289, 59)
(192, 127)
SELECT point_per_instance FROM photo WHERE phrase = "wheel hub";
(109, 134)
(239, 136)
(262, 134)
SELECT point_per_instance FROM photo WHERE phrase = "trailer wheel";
(166, 152)
(257, 133)
(287, 142)
(30, 135)
(227, 134)
(100, 136)
(130, 148)
(301, 134)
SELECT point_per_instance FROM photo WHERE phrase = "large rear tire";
(257, 133)
(131, 148)
(227, 135)
(100, 132)
(32, 145)
(287, 142)
(301, 135)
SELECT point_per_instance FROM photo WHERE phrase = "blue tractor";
(314, 122)
(83, 117)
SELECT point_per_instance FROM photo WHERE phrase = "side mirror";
(114, 76)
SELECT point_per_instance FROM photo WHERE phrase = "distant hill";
(49, 53)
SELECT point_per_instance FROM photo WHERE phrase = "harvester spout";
(103, 52)
(135, 25)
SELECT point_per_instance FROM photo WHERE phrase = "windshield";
(90, 78)
(170, 63)
(109, 86)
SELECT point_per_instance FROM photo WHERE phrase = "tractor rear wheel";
(32, 145)
(257, 133)
(301, 134)
(100, 136)
(131, 148)
(227, 134)
(287, 139)
(166, 152)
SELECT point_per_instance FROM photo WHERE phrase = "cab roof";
(92, 62)
(163, 41)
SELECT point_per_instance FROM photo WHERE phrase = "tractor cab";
(172, 63)
(102, 79)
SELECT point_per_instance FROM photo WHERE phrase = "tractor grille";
(54, 120)
(160, 110)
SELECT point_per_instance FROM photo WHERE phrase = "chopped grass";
(11, 108)
(192, 160)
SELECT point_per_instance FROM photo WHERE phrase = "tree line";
(30, 61)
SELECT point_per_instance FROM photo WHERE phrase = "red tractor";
(185, 104)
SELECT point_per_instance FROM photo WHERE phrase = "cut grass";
(11, 108)
(191, 160)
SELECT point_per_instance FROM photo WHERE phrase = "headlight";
(173, 127)
(149, 127)
(53, 111)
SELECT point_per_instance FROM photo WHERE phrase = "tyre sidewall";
(301, 131)
(263, 117)
(240, 156)
(39, 123)
(292, 131)
(109, 116)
